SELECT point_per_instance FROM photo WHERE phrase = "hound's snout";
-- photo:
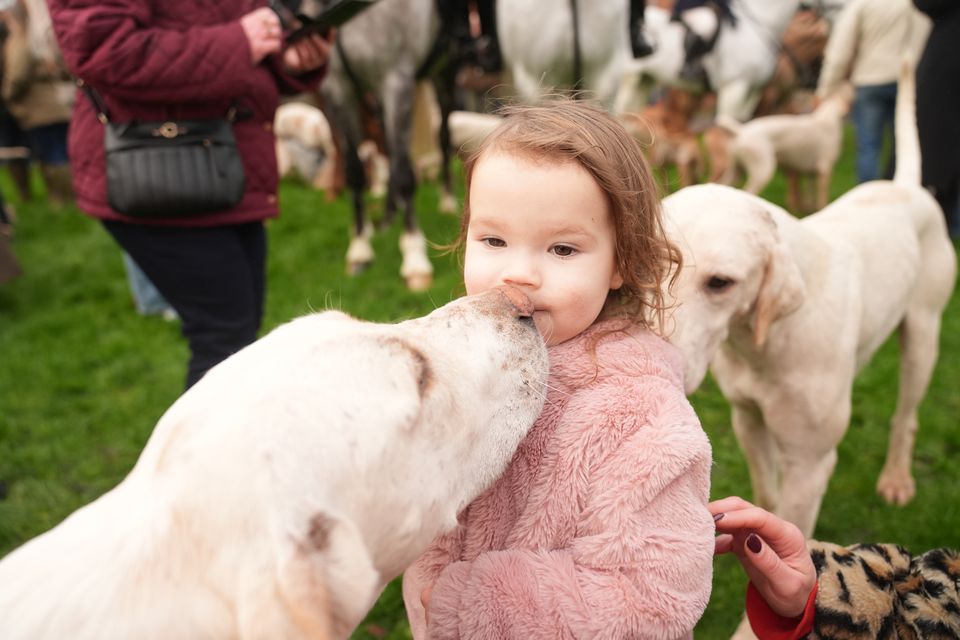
(517, 300)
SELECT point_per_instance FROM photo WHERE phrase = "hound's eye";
(716, 284)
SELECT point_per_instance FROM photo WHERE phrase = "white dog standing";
(278, 496)
(304, 144)
(803, 146)
(789, 311)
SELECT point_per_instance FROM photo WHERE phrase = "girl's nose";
(521, 271)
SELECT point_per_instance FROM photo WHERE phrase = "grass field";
(83, 379)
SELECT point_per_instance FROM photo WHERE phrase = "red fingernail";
(753, 543)
(717, 517)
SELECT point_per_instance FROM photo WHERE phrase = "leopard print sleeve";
(879, 591)
(929, 600)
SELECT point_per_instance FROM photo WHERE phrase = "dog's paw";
(896, 487)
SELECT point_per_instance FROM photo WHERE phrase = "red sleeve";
(769, 625)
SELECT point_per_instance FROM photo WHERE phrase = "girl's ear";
(616, 280)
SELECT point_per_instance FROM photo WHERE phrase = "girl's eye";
(563, 250)
(494, 242)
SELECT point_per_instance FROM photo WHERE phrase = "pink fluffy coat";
(599, 527)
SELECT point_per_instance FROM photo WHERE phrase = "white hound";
(786, 313)
(278, 496)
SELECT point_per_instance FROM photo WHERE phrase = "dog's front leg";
(823, 189)
(760, 451)
(807, 428)
(324, 583)
(805, 479)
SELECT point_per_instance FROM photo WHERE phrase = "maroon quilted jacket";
(171, 59)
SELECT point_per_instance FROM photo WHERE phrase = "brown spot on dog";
(425, 375)
(422, 363)
(318, 533)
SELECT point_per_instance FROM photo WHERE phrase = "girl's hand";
(263, 31)
(308, 53)
(773, 553)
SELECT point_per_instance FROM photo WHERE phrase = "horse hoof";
(449, 204)
(419, 282)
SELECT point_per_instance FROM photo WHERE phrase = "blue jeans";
(872, 114)
(146, 298)
(48, 143)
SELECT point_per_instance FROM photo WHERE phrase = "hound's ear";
(781, 292)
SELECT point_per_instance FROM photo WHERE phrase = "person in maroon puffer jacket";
(181, 59)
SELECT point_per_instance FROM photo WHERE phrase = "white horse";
(539, 49)
(742, 60)
(380, 52)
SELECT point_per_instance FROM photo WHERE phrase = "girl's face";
(545, 229)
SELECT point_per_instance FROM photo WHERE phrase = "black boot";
(638, 42)
(694, 48)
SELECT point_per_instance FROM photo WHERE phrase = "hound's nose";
(517, 299)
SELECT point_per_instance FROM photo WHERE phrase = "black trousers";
(213, 276)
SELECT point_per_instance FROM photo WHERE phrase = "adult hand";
(773, 553)
(308, 53)
(263, 31)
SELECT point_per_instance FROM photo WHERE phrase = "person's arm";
(639, 565)
(781, 597)
(109, 44)
(841, 50)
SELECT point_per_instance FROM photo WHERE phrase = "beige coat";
(867, 42)
(36, 87)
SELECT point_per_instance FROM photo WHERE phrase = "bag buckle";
(168, 130)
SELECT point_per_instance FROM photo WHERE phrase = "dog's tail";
(905, 129)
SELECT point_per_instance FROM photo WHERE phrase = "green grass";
(83, 379)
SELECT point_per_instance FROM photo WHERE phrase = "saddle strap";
(577, 55)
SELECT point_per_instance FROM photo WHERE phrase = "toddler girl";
(599, 527)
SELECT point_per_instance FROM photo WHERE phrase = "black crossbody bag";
(171, 169)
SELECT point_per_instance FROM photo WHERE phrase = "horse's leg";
(398, 97)
(632, 93)
(444, 83)
(345, 125)
(738, 100)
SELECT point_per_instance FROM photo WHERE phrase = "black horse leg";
(444, 83)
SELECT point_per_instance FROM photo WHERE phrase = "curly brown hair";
(565, 129)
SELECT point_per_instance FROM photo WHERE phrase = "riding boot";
(638, 42)
(487, 53)
(694, 47)
(488, 44)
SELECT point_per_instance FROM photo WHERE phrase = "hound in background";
(787, 311)
(663, 129)
(279, 495)
(803, 146)
(305, 144)
(468, 129)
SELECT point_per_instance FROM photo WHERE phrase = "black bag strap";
(96, 100)
(101, 108)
